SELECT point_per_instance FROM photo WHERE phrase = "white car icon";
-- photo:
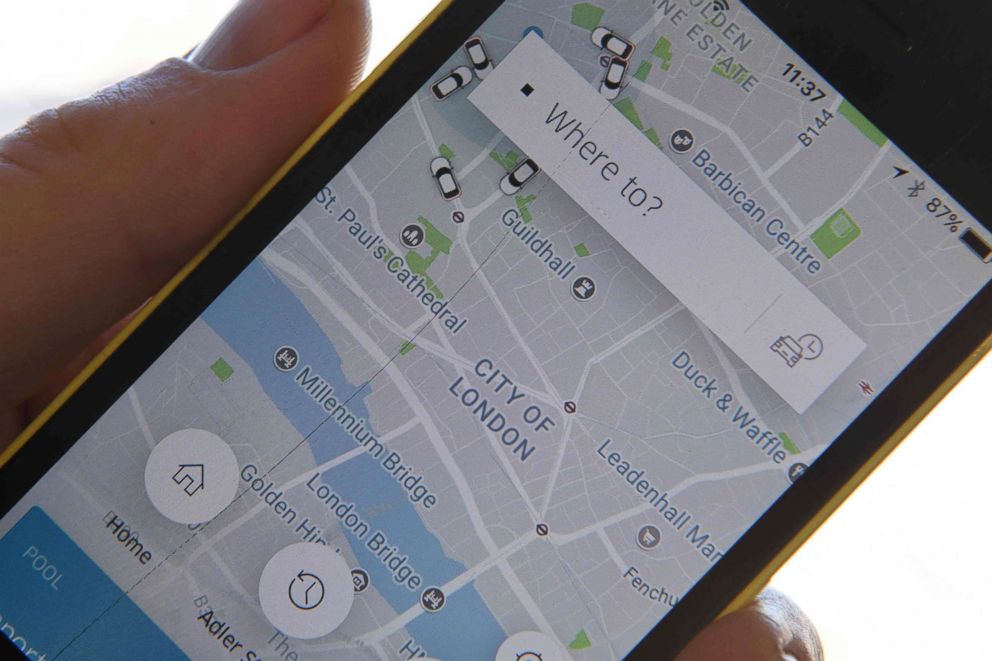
(609, 40)
(445, 178)
(613, 81)
(480, 59)
(515, 180)
(451, 83)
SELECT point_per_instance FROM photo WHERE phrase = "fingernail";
(256, 29)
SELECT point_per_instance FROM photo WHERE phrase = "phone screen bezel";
(784, 521)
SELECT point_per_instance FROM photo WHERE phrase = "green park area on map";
(586, 15)
(837, 233)
(222, 370)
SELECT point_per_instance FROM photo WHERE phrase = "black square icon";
(526, 90)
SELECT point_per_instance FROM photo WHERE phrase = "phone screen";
(520, 374)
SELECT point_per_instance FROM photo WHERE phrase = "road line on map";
(247, 516)
(611, 550)
(140, 415)
(664, 97)
(482, 157)
(452, 586)
(405, 390)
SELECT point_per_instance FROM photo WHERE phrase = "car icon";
(479, 57)
(451, 83)
(515, 180)
(445, 178)
(613, 81)
(609, 40)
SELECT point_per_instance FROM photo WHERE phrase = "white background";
(900, 572)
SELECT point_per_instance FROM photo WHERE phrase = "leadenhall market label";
(681, 520)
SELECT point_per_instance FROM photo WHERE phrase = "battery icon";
(977, 245)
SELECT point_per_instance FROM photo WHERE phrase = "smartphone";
(553, 342)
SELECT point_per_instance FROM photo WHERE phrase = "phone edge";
(762, 578)
(757, 583)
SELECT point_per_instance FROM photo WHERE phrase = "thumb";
(772, 628)
(103, 199)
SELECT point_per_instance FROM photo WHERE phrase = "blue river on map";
(258, 314)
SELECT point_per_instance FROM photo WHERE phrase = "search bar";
(667, 223)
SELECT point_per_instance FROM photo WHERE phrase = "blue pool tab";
(56, 602)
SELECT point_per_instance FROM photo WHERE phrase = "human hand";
(102, 200)
(772, 628)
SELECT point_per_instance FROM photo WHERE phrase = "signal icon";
(721, 5)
